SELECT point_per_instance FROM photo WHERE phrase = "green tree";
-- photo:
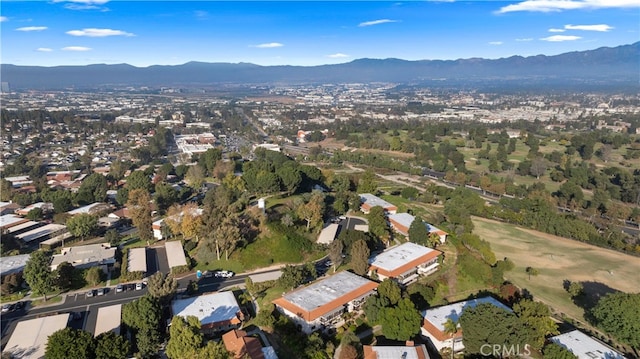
(35, 214)
(312, 211)
(367, 183)
(487, 324)
(185, 337)
(451, 329)
(109, 345)
(162, 286)
(165, 196)
(209, 159)
(94, 276)
(69, 343)
(37, 273)
(62, 204)
(409, 193)
(142, 313)
(6, 189)
(390, 289)
(531, 272)
(64, 275)
(82, 225)
(360, 257)
(290, 177)
(378, 225)
(402, 322)
(575, 289)
(96, 186)
(213, 350)
(418, 232)
(148, 343)
(536, 317)
(557, 351)
(618, 314)
(140, 209)
(139, 180)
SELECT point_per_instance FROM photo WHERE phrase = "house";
(86, 256)
(42, 233)
(242, 346)
(9, 220)
(586, 347)
(93, 208)
(157, 225)
(434, 319)
(44, 206)
(216, 311)
(329, 233)
(8, 208)
(405, 263)
(29, 338)
(368, 201)
(13, 264)
(321, 304)
(401, 222)
(439, 232)
(409, 351)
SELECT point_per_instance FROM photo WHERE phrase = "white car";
(138, 286)
(224, 274)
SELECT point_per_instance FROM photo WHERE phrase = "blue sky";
(144, 33)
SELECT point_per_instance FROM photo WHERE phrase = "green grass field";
(558, 259)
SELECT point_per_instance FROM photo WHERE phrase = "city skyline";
(145, 33)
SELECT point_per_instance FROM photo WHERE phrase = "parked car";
(224, 274)
(90, 294)
(207, 274)
(20, 305)
(138, 286)
(8, 308)
(101, 291)
(119, 288)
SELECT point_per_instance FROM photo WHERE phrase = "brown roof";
(407, 266)
(326, 308)
(238, 343)
(437, 333)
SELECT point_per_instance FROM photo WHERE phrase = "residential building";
(216, 311)
(405, 262)
(242, 346)
(434, 319)
(329, 233)
(44, 206)
(13, 264)
(401, 222)
(8, 208)
(321, 304)
(93, 208)
(9, 220)
(43, 233)
(369, 201)
(586, 347)
(29, 338)
(409, 351)
(86, 256)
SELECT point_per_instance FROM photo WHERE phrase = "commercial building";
(405, 263)
(86, 256)
(434, 319)
(410, 351)
(216, 311)
(29, 339)
(368, 201)
(586, 347)
(321, 304)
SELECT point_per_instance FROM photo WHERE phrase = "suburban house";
(586, 347)
(434, 319)
(93, 208)
(409, 351)
(400, 222)
(217, 312)
(8, 208)
(86, 256)
(321, 304)
(242, 346)
(44, 206)
(9, 220)
(405, 263)
(368, 201)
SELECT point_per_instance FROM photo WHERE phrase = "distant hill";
(603, 65)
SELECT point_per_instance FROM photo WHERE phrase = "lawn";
(558, 259)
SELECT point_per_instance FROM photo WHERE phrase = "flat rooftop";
(29, 339)
(404, 219)
(88, 208)
(373, 201)
(40, 232)
(175, 254)
(137, 260)
(585, 347)
(438, 316)
(13, 264)
(109, 319)
(100, 253)
(326, 290)
(392, 352)
(398, 256)
(9, 220)
(328, 234)
(23, 226)
(208, 308)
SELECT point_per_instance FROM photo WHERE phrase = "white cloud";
(200, 14)
(31, 28)
(269, 45)
(98, 32)
(524, 39)
(598, 27)
(44, 49)
(76, 48)
(560, 5)
(84, 4)
(338, 56)
(560, 38)
(495, 42)
(376, 22)
(3, 18)
(557, 30)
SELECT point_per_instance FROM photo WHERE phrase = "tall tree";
(94, 276)
(185, 338)
(335, 253)
(313, 210)
(162, 286)
(536, 317)
(367, 183)
(487, 324)
(451, 328)
(69, 343)
(618, 314)
(360, 257)
(37, 273)
(139, 180)
(109, 345)
(165, 196)
(531, 272)
(64, 275)
(82, 225)
(390, 289)
(378, 225)
(95, 185)
(557, 351)
(140, 209)
(401, 322)
(226, 236)
(142, 313)
(418, 232)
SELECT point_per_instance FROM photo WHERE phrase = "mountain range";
(605, 65)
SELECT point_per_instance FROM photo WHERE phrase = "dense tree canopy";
(37, 273)
(489, 324)
(185, 337)
(619, 315)
(401, 322)
(69, 343)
